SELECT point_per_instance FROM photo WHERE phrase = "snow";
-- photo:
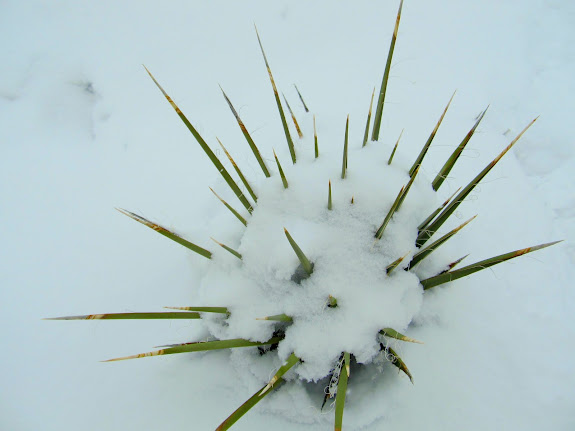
(84, 130)
(349, 264)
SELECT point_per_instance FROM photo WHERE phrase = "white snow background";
(83, 130)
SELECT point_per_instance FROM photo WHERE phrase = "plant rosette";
(325, 260)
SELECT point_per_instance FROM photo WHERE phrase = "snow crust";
(349, 263)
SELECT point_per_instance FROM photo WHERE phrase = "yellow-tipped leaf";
(383, 88)
(446, 277)
(168, 234)
(200, 347)
(206, 148)
(441, 218)
(259, 395)
(278, 102)
(423, 152)
(246, 134)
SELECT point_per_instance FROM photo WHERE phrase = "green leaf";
(224, 173)
(423, 152)
(239, 172)
(306, 264)
(366, 134)
(220, 310)
(329, 203)
(422, 254)
(201, 346)
(229, 249)
(394, 148)
(425, 222)
(409, 184)
(282, 175)
(130, 316)
(394, 358)
(341, 391)
(162, 230)
(390, 332)
(277, 318)
(394, 264)
(233, 211)
(387, 218)
(315, 139)
(278, 102)
(446, 277)
(291, 361)
(251, 142)
(441, 218)
(301, 98)
(383, 88)
(453, 264)
(243, 409)
(444, 171)
(344, 161)
(299, 133)
(259, 395)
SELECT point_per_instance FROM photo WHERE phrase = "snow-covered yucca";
(332, 256)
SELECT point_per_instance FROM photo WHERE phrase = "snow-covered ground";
(83, 130)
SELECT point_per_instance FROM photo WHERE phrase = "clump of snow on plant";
(349, 264)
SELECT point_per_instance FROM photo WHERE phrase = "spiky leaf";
(202, 346)
(206, 148)
(239, 172)
(387, 218)
(394, 358)
(168, 234)
(220, 310)
(278, 102)
(407, 188)
(248, 137)
(428, 283)
(366, 133)
(422, 254)
(390, 332)
(281, 171)
(344, 161)
(130, 316)
(315, 139)
(228, 249)
(341, 392)
(306, 264)
(301, 98)
(423, 152)
(232, 210)
(383, 88)
(277, 318)
(295, 123)
(453, 264)
(259, 395)
(394, 264)
(441, 218)
(394, 148)
(444, 171)
(291, 361)
(431, 216)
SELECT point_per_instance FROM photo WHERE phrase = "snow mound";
(349, 263)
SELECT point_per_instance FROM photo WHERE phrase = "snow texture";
(84, 130)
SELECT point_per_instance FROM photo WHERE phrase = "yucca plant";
(350, 280)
